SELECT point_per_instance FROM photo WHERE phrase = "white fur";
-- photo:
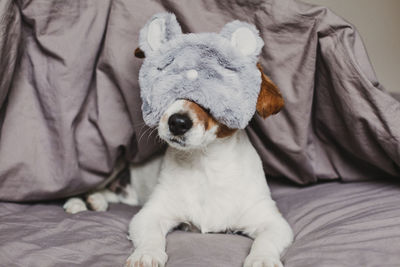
(74, 205)
(217, 184)
(144, 178)
(97, 201)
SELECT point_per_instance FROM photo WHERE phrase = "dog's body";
(220, 188)
(213, 180)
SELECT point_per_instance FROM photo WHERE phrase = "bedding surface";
(335, 225)
(70, 105)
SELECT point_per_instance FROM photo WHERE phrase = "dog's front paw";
(262, 261)
(147, 259)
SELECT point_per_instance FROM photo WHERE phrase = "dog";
(200, 91)
(210, 178)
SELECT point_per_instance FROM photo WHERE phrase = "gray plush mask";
(217, 71)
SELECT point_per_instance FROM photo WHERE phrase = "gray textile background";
(396, 96)
(71, 107)
(377, 21)
(352, 224)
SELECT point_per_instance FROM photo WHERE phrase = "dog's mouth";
(177, 141)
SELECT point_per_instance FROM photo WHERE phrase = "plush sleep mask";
(217, 71)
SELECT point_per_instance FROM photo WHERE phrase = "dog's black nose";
(179, 124)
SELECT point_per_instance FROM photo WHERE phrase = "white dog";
(211, 177)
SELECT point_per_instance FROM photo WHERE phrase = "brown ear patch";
(270, 100)
(208, 121)
(139, 53)
(224, 131)
(201, 114)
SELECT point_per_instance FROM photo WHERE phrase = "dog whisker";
(143, 134)
(151, 132)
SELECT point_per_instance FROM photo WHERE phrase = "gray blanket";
(70, 105)
(352, 224)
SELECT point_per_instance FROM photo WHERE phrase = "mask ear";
(158, 30)
(244, 37)
(270, 100)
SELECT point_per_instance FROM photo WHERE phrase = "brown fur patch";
(202, 116)
(207, 120)
(270, 100)
(224, 131)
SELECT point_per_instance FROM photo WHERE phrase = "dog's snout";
(179, 124)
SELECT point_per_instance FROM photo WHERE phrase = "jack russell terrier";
(210, 177)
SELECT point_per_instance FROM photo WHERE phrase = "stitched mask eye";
(165, 63)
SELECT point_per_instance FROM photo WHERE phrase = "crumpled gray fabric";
(335, 224)
(10, 36)
(396, 96)
(71, 107)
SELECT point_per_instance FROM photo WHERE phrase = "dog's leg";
(271, 233)
(148, 230)
(110, 196)
(130, 196)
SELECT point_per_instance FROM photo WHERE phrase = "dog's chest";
(212, 206)
(208, 196)
(212, 190)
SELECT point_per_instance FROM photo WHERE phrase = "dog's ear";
(139, 53)
(161, 28)
(270, 100)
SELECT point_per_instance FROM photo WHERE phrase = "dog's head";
(200, 87)
(186, 125)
